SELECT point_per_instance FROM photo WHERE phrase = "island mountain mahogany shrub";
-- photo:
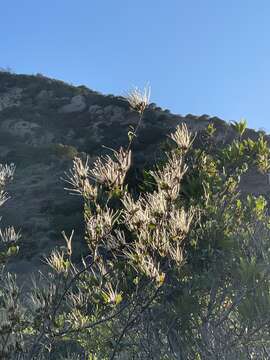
(176, 270)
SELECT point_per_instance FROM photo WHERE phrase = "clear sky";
(200, 56)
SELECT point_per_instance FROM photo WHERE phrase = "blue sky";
(200, 56)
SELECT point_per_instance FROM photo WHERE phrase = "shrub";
(6, 70)
(64, 151)
(177, 268)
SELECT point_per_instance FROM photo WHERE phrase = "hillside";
(45, 123)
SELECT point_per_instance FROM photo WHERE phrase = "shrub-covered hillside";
(44, 123)
(176, 260)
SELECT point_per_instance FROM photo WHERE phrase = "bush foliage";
(177, 267)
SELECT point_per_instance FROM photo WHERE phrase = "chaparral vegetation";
(177, 264)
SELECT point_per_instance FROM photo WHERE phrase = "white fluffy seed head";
(182, 137)
(139, 99)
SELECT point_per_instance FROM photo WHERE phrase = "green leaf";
(240, 126)
(210, 129)
(118, 299)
